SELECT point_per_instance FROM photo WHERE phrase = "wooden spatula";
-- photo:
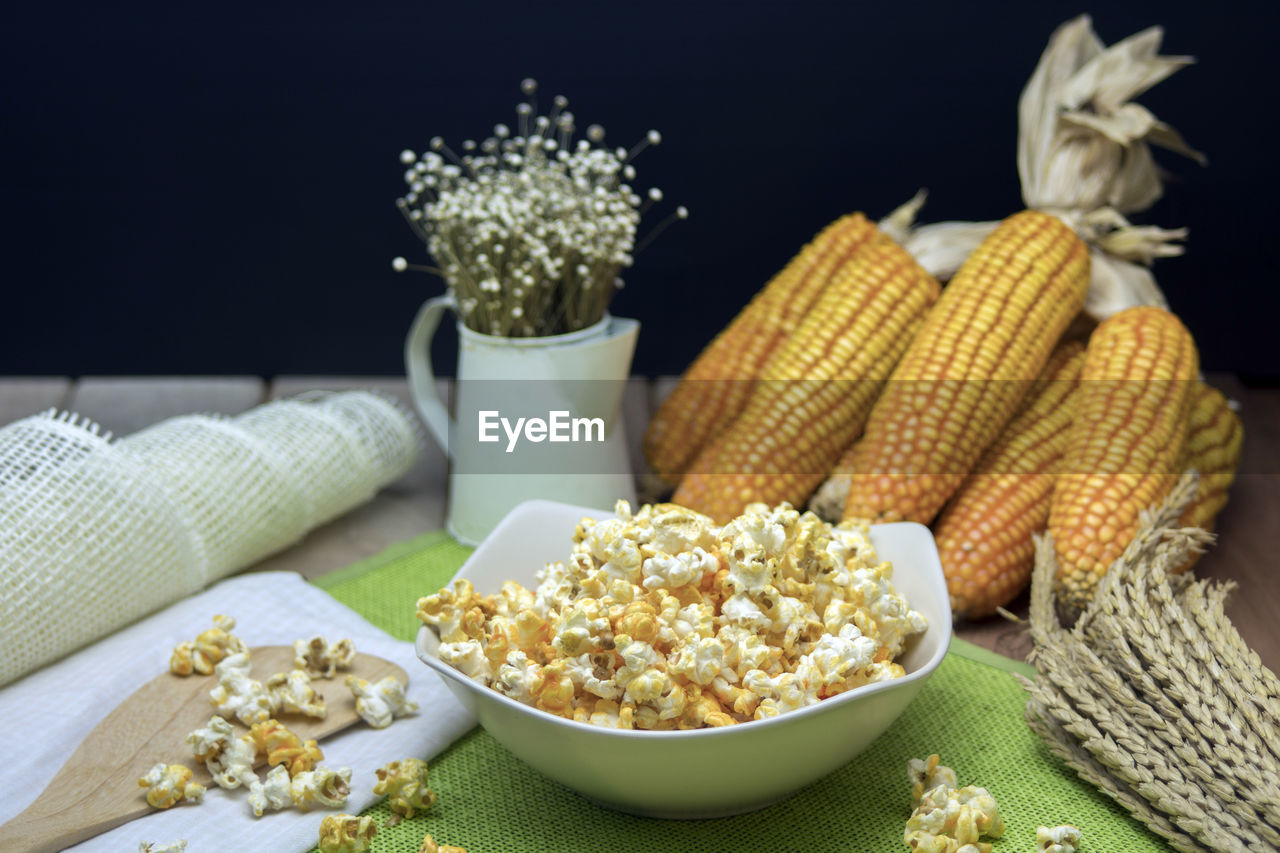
(97, 789)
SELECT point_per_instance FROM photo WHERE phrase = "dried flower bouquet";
(530, 230)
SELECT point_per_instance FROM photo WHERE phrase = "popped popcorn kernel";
(238, 694)
(1058, 839)
(445, 610)
(282, 747)
(275, 793)
(292, 693)
(344, 833)
(947, 818)
(378, 704)
(405, 784)
(229, 758)
(659, 619)
(208, 648)
(429, 844)
(469, 658)
(169, 784)
(178, 846)
(321, 787)
(320, 658)
(926, 775)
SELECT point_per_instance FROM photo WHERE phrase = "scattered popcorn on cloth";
(179, 846)
(208, 648)
(170, 784)
(664, 620)
(52, 701)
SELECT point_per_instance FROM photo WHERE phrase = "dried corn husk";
(1084, 154)
(1154, 697)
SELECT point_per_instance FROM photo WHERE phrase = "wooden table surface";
(1249, 528)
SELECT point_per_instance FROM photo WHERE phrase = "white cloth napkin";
(50, 711)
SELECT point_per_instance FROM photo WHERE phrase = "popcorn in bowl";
(663, 620)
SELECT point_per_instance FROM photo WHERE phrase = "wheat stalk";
(1155, 698)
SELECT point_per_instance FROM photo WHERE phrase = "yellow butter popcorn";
(238, 694)
(320, 658)
(1058, 839)
(378, 704)
(169, 784)
(663, 620)
(928, 774)
(283, 747)
(291, 692)
(948, 819)
(321, 787)
(178, 846)
(208, 648)
(344, 833)
(429, 845)
(229, 758)
(405, 784)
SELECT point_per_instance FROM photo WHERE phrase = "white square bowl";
(699, 773)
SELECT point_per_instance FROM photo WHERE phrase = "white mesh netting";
(95, 534)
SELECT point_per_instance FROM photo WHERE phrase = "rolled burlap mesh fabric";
(95, 534)
(88, 542)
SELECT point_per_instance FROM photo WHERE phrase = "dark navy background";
(209, 188)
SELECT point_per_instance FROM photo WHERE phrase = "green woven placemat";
(969, 712)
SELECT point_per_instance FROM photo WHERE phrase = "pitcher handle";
(422, 379)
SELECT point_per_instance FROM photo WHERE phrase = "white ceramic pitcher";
(582, 373)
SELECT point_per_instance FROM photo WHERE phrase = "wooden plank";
(21, 396)
(1248, 537)
(1011, 639)
(409, 507)
(126, 404)
(397, 387)
(662, 388)
(635, 414)
(650, 488)
(637, 409)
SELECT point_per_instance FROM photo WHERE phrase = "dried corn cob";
(1212, 448)
(715, 388)
(815, 392)
(962, 378)
(984, 534)
(1124, 447)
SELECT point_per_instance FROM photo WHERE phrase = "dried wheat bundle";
(1084, 155)
(1155, 698)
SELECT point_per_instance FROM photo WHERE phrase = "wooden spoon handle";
(45, 831)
